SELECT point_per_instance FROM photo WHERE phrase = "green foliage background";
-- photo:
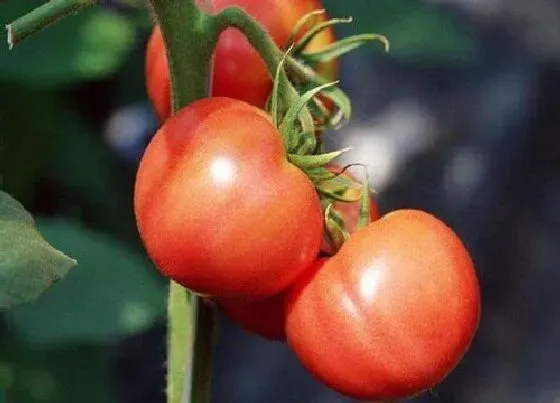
(57, 90)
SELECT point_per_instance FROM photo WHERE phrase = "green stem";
(190, 342)
(189, 42)
(43, 16)
(189, 38)
(178, 346)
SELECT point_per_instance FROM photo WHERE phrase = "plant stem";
(189, 39)
(189, 42)
(43, 16)
(191, 338)
(179, 334)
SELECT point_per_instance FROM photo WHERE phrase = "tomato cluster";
(222, 211)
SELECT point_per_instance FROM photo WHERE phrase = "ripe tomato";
(349, 212)
(239, 71)
(392, 313)
(218, 206)
(264, 317)
(158, 84)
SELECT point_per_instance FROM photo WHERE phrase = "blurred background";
(460, 119)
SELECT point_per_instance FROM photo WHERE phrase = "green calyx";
(364, 215)
(341, 188)
(335, 227)
(342, 47)
(318, 105)
(316, 160)
(300, 140)
(304, 104)
(329, 106)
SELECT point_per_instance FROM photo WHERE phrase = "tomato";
(348, 211)
(239, 71)
(158, 84)
(263, 317)
(218, 206)
(391, 314)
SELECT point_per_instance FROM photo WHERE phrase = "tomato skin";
(218, 206)
(391, 314)
(239, 71)
(264, 317)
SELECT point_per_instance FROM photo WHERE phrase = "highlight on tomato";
(239, 71)
(219, 207)
(391, 314)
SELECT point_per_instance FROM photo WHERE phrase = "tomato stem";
(190, 39)
(189, 42)
(180, 341)
(43, 16)
(190, 341)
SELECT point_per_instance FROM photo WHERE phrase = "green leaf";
(89, 45)
(28, 264)
(114, 292)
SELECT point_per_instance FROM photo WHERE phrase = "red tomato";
(392, 313)
(349, 212)
(158, 85)
(263, 317)
(218, 206)
(239, 71)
